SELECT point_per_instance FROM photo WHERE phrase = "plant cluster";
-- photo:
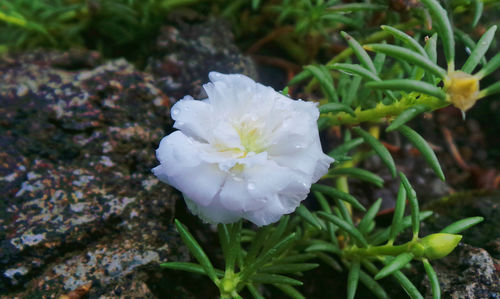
(355, 93)
(113, 27)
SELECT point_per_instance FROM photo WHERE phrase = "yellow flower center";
(250, 138)
(462, 89)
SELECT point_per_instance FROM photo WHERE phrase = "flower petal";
(182, 168)
(213, 213)
(193, 117)
(235, 196)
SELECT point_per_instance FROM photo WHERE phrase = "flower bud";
(462, 89)
(439, 245)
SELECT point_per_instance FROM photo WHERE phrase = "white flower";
(245, 152)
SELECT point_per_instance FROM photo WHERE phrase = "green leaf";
(250, 269)
(295, 258)
(277, 233)
(322, 201)
(255, 4)
(378, 61)
(440, 16)
(383, 235)
(358, 173)
(492, 89)
(408, 56)
(334, 193)
(381, 151)
(305, 214)
(349, 228)
(329, 261)
(325, 81)
(285, 91)
(335, 17)
(326, 207)
(406, 116)
(412, 198)
(256, 244)
(289, 268)
(353, 278)
(461, 225)
(468, 42)
(405, 38)
(482, 46)
(290, 291)
(266, 278)
(399, 210)
(407, 285)
(409, 86)
(343, 149)
(396, 264)
(424, 149)
(490, 67)
(323, 123)
(431, 48)
(189, 267)
(353, 88)
(433, 279)
(323, 246)
(336, 107)
(234, 247)
(372, 285)
(253, 290)
(351, 7)
(354, 69)
(300, 77)
(223, 238)
(358, 50)
(196, 251)
(369, 216)
(478, 11)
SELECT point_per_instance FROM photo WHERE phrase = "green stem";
(391, 250)
(381, 111)
(228, 285)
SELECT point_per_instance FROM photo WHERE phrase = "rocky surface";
(468, 272)
(185, 54)
(81, 214)
(79, 204)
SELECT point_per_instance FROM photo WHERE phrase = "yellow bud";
(439, 245)
(462, 89)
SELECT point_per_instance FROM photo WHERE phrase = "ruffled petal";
(193, 118)
(214, 213)
(235, 196)
(182, 168)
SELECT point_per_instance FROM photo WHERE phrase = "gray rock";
(467, 273)
(187, 53)
(80, 206)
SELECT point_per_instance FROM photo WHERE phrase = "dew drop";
(175, 111)
(299, 146)
(251, 186)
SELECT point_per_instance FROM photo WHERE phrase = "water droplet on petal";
(180, 123)
(305, 185)
(251, 186)
(175, 111)
(299, 146)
